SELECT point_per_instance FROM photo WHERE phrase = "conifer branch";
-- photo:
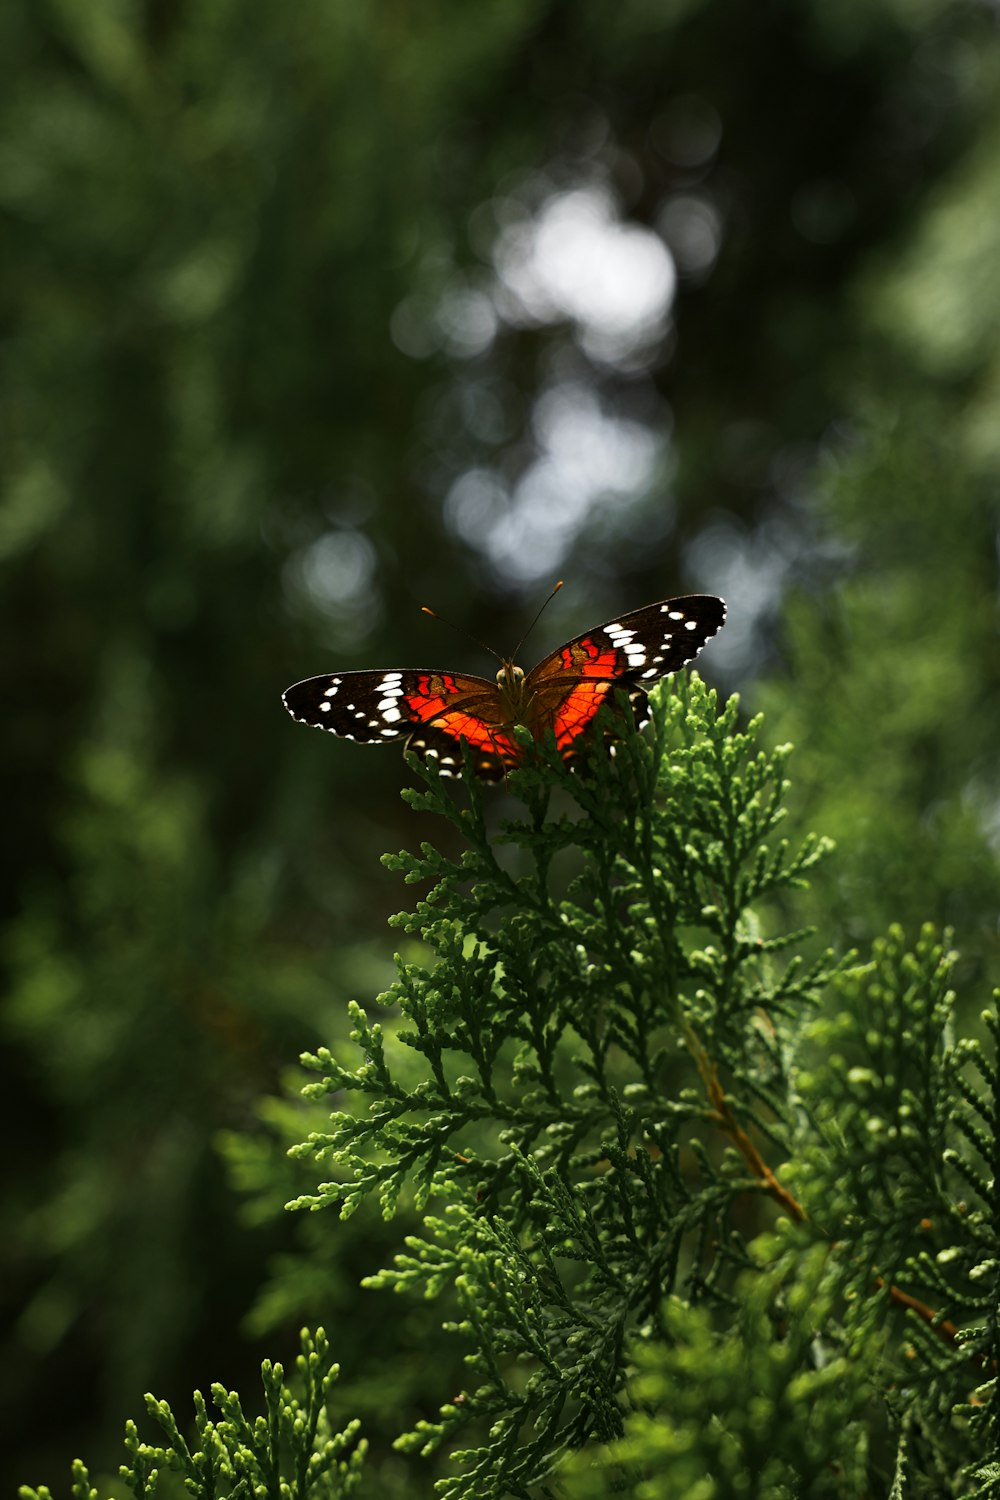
(580, 985)
(722, 1115)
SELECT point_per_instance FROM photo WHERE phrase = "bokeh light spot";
(334, 577)
(692, 227)
(577, 259)
(588, 460)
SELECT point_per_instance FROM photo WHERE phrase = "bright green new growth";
(711, 1218)
(291, 1453)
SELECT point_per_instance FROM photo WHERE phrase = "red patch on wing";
(595, 666)
(586, 658)
(577, 710)
(430, 706)
(429, 701)
(480, 735)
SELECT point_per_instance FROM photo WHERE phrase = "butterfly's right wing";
(568, 688)
(433, 710)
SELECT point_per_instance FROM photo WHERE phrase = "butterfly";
(435, 711)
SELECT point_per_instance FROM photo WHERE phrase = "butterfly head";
(510, 676)
(510, 682)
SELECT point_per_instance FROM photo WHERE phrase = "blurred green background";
(312, 314)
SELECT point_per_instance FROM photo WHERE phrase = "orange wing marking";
(429, 702)
(596, 667)
(429, 706)
(577, 710)
(587, 659)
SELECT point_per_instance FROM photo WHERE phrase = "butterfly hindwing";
(495, 753)
(631, 652)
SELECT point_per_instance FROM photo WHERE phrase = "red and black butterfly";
(435, 711)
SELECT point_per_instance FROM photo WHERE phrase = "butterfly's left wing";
(434, 711)
(566, 690)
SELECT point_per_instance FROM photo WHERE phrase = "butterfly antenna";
(424, 609)
(535, 621)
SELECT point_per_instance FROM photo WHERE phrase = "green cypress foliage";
(710, 1214)
(596, 1040)
(291, 1453)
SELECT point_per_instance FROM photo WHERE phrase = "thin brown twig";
(943, 1326)
(724, 1117)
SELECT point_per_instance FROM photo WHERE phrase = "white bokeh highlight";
(334, 576)
(576, 259)
(587, 459)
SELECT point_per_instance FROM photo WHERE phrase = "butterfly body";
(435, 710)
